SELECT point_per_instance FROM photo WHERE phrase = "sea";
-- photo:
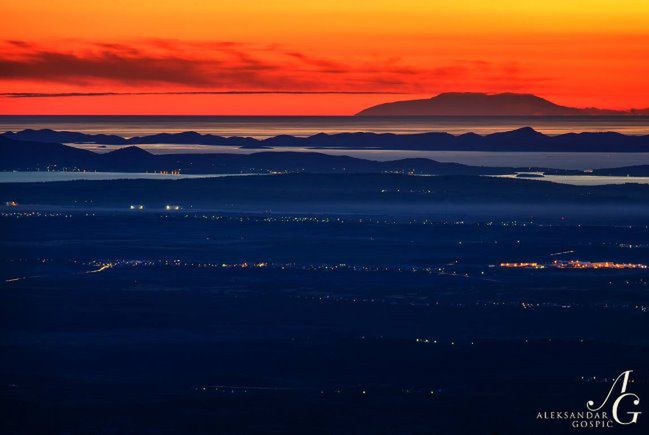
(48, 176)
(268, 126)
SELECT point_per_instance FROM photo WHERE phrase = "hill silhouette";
(522, 139)
(479, 104)
(18, 155)
(28, 155)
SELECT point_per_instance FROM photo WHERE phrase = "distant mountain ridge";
(25, 155)
(480, 104)
(522, 139)
(29, 156)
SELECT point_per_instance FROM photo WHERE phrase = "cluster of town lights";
(575, 264)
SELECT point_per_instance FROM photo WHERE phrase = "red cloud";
(227, 66)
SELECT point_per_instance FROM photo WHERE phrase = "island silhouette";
(521, 139)
(32, 152)
(481, 104)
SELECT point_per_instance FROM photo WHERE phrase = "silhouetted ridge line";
(480, 104)
(29, 155)
(26, 155)
(522, 139)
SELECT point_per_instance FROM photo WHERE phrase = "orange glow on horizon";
(582, 54)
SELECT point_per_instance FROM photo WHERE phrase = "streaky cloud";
(251, 92)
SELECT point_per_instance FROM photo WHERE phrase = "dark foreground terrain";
(315, 318)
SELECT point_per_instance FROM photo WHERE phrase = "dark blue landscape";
(322, 295)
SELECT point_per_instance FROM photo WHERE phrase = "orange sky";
(319, 57)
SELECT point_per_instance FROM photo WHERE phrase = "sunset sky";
(314, 57)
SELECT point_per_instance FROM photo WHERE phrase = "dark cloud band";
(109, 94)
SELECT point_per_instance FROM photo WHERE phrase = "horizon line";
(608, 115)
